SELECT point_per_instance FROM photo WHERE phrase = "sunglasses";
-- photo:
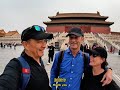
(31, 29)
(94, 55)
(38, 28)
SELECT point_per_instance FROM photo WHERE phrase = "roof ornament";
(57, 13)
(98, 13)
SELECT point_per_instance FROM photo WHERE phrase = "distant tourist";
(85, 48)
(14, 45)
(1, 45)
(95, 45)
(111, 49)
(50, 53)
(81, 47)
(105, 47)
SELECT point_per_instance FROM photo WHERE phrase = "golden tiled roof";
(66, 15)
(2, 33)
(78, 21)
(11, 33)
(78, 18)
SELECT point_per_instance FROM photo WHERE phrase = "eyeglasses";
(38, 28)
(94, 55)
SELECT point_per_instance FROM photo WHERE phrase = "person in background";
(50, 53)
(34, 42)
(82, 47)
(93, 75)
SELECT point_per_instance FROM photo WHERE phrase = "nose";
(91, 58)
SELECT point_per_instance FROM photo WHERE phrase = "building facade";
(88, 22)
(10, 37)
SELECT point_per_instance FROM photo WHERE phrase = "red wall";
(105, 30)
(94, 29)
(55, 29)
(84, 28)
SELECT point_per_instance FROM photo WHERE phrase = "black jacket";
(10, 79)
(91, 82)
(51, 50)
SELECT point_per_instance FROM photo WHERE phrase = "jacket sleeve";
(53, 73)
(9, 79)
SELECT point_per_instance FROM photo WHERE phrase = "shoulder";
(57, 53)
(11, 75)
(13, 64)
(86, 56)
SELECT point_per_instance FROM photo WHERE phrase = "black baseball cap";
(75, 31)
(35, 32)
(98, 51)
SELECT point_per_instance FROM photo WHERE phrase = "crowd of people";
(8, 45)
(72, 69)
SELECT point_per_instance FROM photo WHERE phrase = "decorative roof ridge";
(78, 13)
(85, 15)
(12, 32)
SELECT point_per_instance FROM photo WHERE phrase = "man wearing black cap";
(29, 64)
(72, 65)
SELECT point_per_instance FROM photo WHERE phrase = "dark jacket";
(51, 50)
(91, 82)
(10, 79)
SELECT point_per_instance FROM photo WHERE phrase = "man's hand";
(107, 78)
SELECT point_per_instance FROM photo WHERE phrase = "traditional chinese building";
(10, 37)
(88, 22)
(2, 33)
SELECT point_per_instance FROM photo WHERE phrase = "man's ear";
(103, 59)
(25, 44)
(82, 38)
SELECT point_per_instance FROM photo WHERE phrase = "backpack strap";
(60, 58)
(25, 75)
(86, 60)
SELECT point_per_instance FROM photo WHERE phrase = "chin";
(74, 47)
(40, 54)
(91, 64)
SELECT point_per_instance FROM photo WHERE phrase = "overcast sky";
(19, 14)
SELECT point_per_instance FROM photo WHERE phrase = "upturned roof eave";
(107, 23)
(59, 17)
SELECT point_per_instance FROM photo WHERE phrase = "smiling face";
(96, 60)
(35, 48)
(75, 42)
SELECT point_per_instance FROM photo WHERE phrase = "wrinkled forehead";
(38, 41)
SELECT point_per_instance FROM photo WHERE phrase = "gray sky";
(20, 14)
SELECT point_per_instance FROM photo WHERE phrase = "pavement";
(48, 68)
